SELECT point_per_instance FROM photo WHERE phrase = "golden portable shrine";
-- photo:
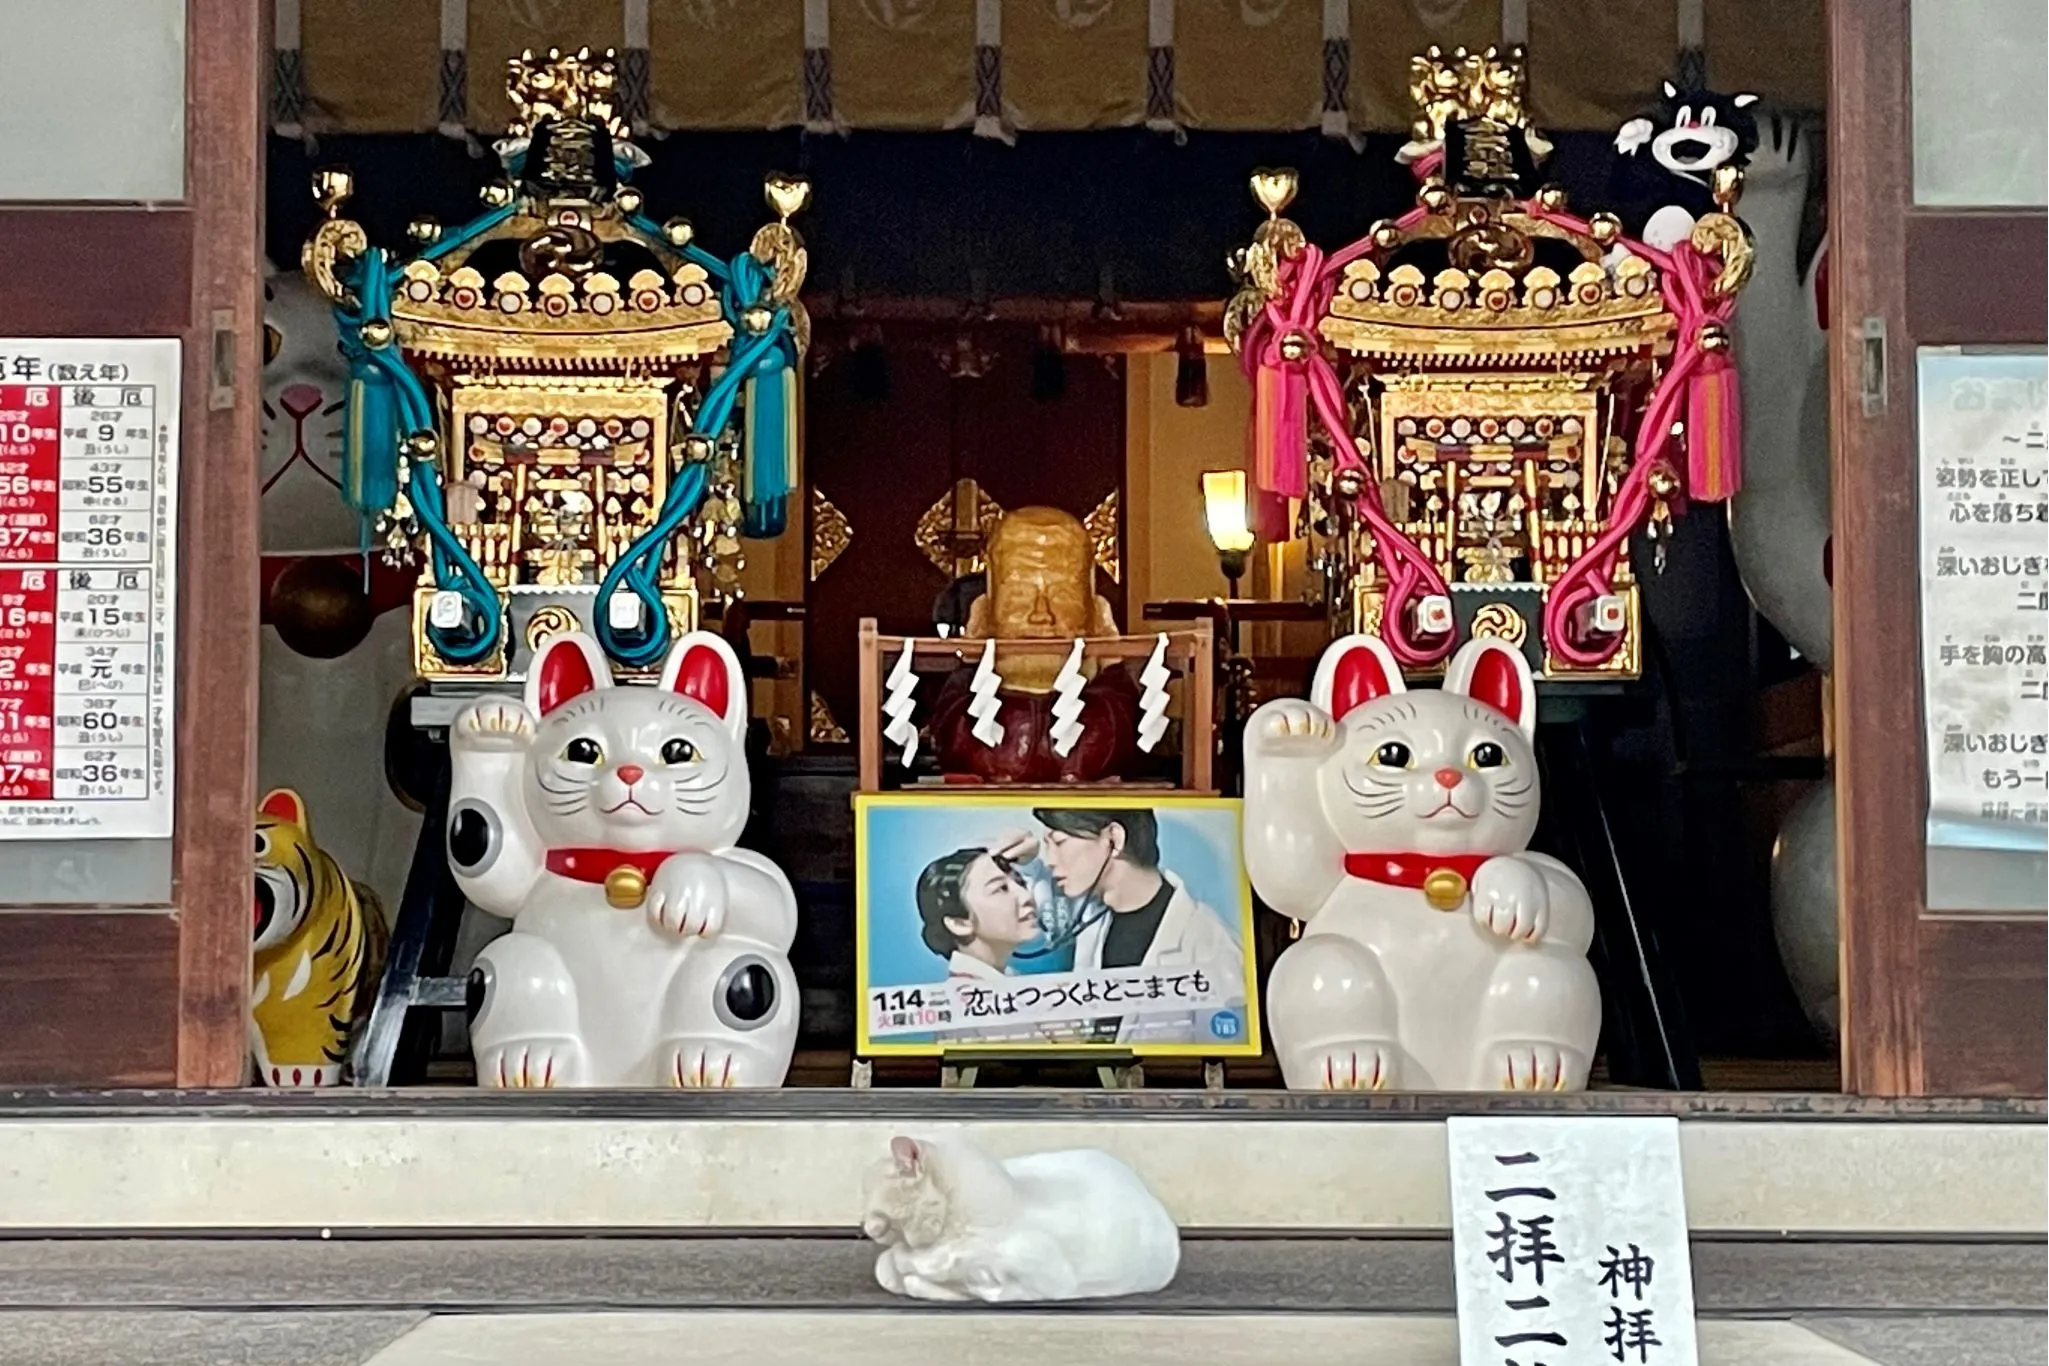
(1478, 366)
(575, 410)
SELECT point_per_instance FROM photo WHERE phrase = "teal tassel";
(370, 442)
(764, 521)
(769, 445)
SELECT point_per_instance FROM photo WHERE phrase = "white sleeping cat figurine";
(645, 949)
(956, 1224)
(1439, 954)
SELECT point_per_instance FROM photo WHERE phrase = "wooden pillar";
(228, 54)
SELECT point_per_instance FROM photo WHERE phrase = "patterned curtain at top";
(906, 64)
(1248, 65)
(1002, 67)
(1594, 66)
(371, 66)
(1769, 47)
(1075, 63)
(726, 64)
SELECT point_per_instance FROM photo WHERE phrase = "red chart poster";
(88, 520)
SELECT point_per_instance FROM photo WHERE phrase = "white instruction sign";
(88, 575)
(1985, 593)
(1570, 1242)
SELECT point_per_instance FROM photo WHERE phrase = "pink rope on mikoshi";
(1306, 283)
(1684, 276)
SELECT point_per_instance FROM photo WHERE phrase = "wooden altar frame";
(1191, 653)
(157, 995)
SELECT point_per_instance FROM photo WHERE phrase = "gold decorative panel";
(831, 534)
(824, 729)
(1501, 622)
(952, 530)
(1102, 529)
(551, 620)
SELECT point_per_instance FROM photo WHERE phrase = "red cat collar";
(624, 875)
(1442, 878)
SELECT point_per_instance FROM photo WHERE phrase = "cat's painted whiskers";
(564, 801)
(1380, 798)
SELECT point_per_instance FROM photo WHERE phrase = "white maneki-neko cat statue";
(646, 950)
(1439, 954)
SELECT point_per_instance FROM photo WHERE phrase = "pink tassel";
(1281, 421)
(1714, 431)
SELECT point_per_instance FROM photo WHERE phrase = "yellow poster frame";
(1250, 1044)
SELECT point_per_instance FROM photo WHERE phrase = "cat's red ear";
(566, 666)
(703, 667)
(905, 1151)
(1495, 673)
(1356, 669)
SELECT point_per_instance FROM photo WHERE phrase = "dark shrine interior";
(1696, 761)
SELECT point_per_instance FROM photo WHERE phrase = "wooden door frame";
(1930, 1003)
(157, 994)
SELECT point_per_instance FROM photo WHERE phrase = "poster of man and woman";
(1115, 923)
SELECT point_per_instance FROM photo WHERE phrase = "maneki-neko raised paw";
(645, 949)
(1439, 953)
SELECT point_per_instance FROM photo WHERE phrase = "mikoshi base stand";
(399, 1039)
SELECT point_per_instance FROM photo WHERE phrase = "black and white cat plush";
(1664, 180)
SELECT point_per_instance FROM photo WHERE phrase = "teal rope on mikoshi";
(696, 255)
(375, 422)
(639, 570)
(387, 403)
(762, 359)
(769, 398)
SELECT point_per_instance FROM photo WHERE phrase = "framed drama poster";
(1047, 921)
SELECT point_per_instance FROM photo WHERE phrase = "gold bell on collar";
(626, 887)
(1445, 888)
